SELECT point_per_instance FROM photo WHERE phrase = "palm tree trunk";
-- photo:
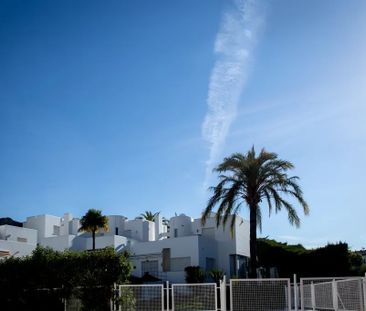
(253, 241)
(93, 233)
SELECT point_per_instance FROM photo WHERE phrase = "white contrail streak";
(234, 44)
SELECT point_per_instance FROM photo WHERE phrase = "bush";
(51, 275)
(330, 260)
(194, 274)
(216, 275)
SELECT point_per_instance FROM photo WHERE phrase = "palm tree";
(251, 179)
(92, 221)
(148, 215)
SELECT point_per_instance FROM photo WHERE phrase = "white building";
(161, 248)
(17, 241)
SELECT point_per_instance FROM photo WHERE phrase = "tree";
(250, 179)
(148, 215)
(92, 221)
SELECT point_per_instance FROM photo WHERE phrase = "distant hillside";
(9, 221)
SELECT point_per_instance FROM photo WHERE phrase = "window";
(175, 233)
(24, 240)
(208, 232)
(210, 263)
(56, 230)
(238, 265)
(179, 263)
(166, 259)
(116, 231)
(151, 267)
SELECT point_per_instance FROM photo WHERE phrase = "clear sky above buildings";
(126, 106)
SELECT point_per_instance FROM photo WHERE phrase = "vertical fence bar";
(216, 302)
(302, 294)
(312, 291)
(120, 295)
(172, 291)
(289, 294)
(295, 292)
(231, 295)
(335, 295)
(167, 296)
(223, 294)
(361, 294)
(364, 292)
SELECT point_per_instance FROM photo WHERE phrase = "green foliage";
(51, 275)
(148, 215)
(194, 274)
(217, 275)
(252, 179)
(93, 221)
(331, 260)
(127, 300)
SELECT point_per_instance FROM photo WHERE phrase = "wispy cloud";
(233, 47)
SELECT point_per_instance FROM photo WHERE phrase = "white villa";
(162, 248)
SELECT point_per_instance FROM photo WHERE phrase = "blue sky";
(126, 106)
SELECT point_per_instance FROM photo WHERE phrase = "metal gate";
(194, 297)
(260, 294)
(347, 293)
(140, 298)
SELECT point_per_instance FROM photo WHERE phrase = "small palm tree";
(148, 215)
(217, 275)
(250, 179)
(92, 221)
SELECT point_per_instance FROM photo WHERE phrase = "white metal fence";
(140, 298)
(260, 294)
(337, 294)
(194, 297)
(316, 294)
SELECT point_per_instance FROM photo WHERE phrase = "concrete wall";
(17, 249)
(18, 234)
(58, 243)
(116, 221)
(44, 224)
(179, 248)
(140, 230)
(18, 241)
(85, 242)
(180, 226)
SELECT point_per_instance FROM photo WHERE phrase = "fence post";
(335, 295)
(295, 293)
(223, 294)
(312, 290)
(113, 298)
(364, 292)
(167, 296)
(302, 294)
(231, 295)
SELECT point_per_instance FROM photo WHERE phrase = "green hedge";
(45, 278)
(330, 260)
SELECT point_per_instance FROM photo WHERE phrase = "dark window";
(238, 266)
(116, 230)
(166, 259)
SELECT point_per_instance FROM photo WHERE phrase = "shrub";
(49, 274)
(194, 274)
(216, 274)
